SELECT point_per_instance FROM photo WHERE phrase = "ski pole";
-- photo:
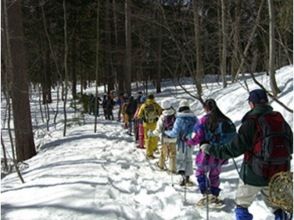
(207, 193)
(185, 190)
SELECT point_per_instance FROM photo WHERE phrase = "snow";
(87, 175)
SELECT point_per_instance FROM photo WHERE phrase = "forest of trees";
(60, 44)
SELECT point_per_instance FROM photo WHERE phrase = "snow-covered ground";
(101, 175)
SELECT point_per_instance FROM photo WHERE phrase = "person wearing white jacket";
(168, 145)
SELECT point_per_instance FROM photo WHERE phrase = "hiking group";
(264, 137)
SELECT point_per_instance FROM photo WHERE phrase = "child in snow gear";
(168, 147)
(139, 121)
(135, 119)
(212, 128)
(252, 179)
(150, 112)
(181, 130)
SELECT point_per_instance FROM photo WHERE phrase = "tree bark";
(65, 67)
(199, 61)
(272, 53)
(108, 66)
(128, 67)
(224, 44)
(24, 139)
(97, 67)
(236, 39)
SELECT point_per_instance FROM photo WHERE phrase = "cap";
(258, 96)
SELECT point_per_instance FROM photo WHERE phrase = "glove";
(205, 148)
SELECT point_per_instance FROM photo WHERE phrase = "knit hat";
(150, 96)
(166, 104)
(258, 96)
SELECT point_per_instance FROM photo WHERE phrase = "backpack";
(272, 145)
(223, 133)
(150, 114)
(168, 122)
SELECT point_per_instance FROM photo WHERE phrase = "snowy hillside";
(102, 175)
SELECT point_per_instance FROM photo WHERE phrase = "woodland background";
(58, 45)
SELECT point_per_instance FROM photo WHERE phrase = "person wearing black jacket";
(130, 111)
(251, 182)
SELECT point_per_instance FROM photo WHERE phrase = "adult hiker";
(109, 106)
(266, 140)
(182, 128)
(130, 111)
(213, 127)
(168, 147)
(149, 112)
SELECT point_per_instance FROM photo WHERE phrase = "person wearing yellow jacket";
(150, 112)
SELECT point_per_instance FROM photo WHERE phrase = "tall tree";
(97, 67)
(272, 54)
(128, 67)
(24, 139)
(199, 61)
(224, 43)
(108, 57)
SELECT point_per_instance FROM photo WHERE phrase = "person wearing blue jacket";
(182, 128)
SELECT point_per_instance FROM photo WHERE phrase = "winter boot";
(188, 181)
(183, 182)
(242, 213)
(215, 191)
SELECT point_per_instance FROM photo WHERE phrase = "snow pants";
(184, 161)
(246, 194)
(141, 135)
(168, 150)
(150, 143)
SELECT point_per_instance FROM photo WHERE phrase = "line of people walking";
(178, 131)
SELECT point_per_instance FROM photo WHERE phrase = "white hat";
(184, 103)
(166, 104)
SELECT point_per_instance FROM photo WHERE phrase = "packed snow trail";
(101, 175)
(96, 176)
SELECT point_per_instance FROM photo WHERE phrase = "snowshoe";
(161, 168)
(150, 157)
(213, 202)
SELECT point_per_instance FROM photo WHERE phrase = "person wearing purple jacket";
(213, 127)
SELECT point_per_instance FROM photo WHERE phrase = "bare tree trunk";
(119, 71)
(108, 56)
(24, 139)
(74, 66)
(236, 39)
(128, 73)
(249, 42)
(97, 67)
(271, 66)
(4, 154)
(65, 67)
(199, 61)
(159, 60)
(54, 58)
(224, 44)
